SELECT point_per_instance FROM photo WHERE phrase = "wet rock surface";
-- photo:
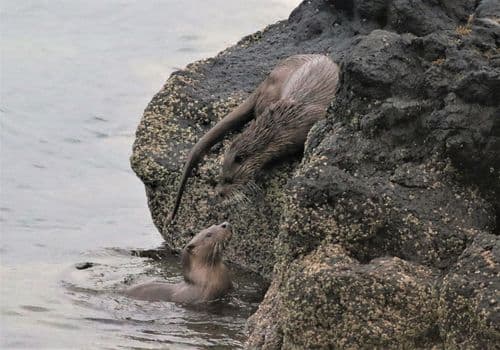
(385, 233)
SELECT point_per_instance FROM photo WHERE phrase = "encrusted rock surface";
(386, 232)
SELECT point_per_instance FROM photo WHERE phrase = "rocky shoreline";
(386, 232)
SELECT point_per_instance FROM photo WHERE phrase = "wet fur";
(284, 107)
(206, 277)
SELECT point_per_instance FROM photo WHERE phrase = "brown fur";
(284, 107)
(206, 277)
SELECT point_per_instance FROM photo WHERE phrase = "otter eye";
(238, 159)
(209, 234)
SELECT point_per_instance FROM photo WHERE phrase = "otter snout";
(227, 229)
(222, 191)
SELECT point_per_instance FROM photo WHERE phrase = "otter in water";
(206, 277)
(294, 96)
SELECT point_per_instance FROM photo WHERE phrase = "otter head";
(238, 168)
(205, 249)
(244, 158)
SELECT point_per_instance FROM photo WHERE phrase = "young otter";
(294, 96)
(206, 277)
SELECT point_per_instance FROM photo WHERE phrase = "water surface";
(75, 78)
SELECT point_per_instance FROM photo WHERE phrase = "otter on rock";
(206, 277)
(284, 107)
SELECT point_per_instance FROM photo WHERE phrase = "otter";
(206, 277)
(284, 107)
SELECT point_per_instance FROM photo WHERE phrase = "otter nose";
(219, 192)
(225, 224)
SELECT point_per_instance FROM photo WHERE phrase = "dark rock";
(264, 326)
(373, 9)
(488, 9)
(161, 253)
(385, 234)
(84, 265)
(469, 300)
(368, 69)
(418, 17)
(480, 87)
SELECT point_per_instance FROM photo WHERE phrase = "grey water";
(75, 77)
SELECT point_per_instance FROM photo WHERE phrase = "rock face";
(386, 232)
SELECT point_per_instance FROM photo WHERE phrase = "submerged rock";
(84, 265)
(385, 233)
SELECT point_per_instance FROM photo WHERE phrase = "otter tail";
(241, 115)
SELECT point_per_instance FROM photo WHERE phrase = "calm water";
(75, 77)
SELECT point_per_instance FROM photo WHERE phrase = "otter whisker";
(234, 198)
(253, 188)
(245, 199)
(229, 200)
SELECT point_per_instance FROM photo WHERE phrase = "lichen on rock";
(385, 232)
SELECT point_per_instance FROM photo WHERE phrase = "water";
(75, 77)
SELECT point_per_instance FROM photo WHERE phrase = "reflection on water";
(75, 77)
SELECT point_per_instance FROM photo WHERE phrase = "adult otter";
(206, 277)
(294, 96)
